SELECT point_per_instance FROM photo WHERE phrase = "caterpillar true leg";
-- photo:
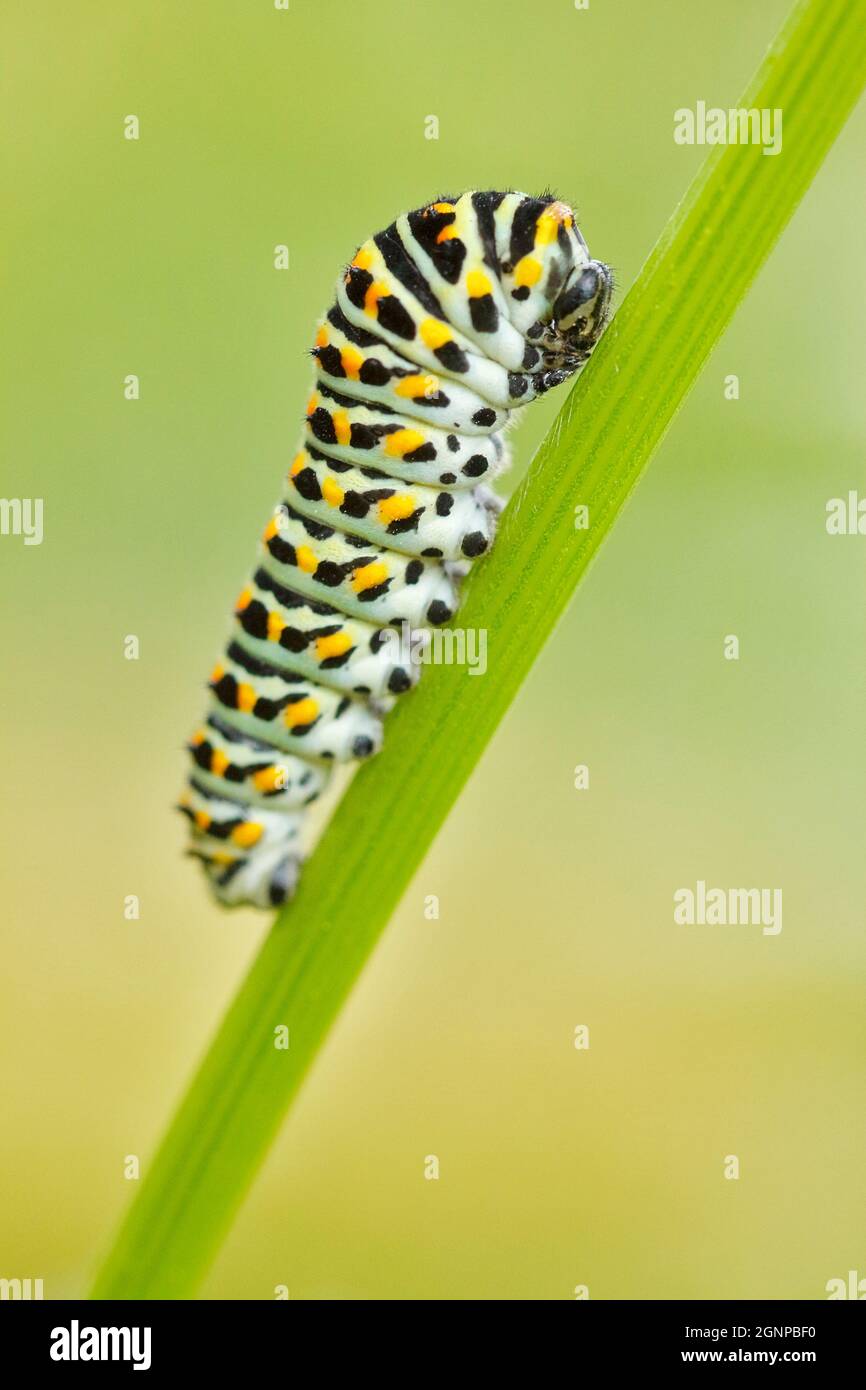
(457, 314)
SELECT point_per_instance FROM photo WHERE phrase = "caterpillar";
(442, 325)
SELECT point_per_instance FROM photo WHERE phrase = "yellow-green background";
(558, 1167)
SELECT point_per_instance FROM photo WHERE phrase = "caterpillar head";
(581, 309)
(559, 296)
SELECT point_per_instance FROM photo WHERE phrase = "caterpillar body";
(442, 325)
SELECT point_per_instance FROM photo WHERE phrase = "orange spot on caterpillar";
(248, 834)
(477, 284)
(334, 645)
(377, 291)
(301, 712)
(275, 627)
(269, 779)
(403, 442)
(434, 333)
(412, 386)
(352, 361)
(332, 492)
(527, 271)
(396, 508)
(368, 576)
(548, 223)
(246, 697)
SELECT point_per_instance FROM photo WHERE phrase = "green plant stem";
(594, 454)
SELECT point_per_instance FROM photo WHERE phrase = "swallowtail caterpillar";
(442, 326)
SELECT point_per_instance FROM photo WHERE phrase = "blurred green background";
(558, 1167)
